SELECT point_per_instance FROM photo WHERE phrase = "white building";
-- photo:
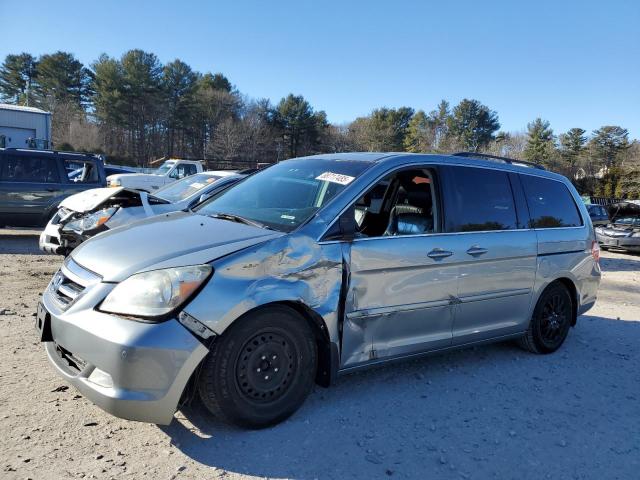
(24, 127)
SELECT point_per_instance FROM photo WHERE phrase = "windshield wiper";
(239, 219)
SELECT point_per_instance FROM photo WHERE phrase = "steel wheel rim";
(266, 367)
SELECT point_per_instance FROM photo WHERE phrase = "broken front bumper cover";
(624, 243)
(130, 369)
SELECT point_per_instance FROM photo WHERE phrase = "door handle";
(438, 254)
(53, 189)
(477, 250)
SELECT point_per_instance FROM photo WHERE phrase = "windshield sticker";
(196, 185)
(335, 178)
(288, 217)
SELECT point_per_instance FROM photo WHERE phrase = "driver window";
(401, 204)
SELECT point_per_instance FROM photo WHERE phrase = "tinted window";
(81, 171)
(479, 199)
(597, 211)
(25, 168)
(550, 203)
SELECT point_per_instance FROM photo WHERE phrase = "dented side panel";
(292, 268)
(400, 301)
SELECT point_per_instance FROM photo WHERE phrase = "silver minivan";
(315, 267)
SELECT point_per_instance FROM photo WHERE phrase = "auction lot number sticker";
(335, 178)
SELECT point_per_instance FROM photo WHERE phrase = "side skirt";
(386, 361)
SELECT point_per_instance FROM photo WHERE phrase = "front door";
(402, 275)
(496, 251)
(29, 184)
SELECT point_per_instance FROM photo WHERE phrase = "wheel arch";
(570, 285)
(328, 355)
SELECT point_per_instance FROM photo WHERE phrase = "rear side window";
(550, 203)
(478, 200)
(597, 210)
(79, 171)
(24, 168)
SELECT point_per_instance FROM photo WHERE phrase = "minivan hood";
(164, 241)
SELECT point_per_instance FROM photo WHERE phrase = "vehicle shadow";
(476, 413)
(19, 242)
(620, 263)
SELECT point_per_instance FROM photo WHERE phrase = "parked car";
(314, 267)
(86, 214)
(598, 214)
(34, 182)
(168, 172)
(623, 231)
(116, 170)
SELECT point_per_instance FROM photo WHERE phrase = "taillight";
(595, 251)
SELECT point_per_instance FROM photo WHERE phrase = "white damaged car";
(81, 216)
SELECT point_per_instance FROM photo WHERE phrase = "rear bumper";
(130, 369)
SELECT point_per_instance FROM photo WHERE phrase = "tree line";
(136, 109)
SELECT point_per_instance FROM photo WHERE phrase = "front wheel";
(551, 321)
(261, 369)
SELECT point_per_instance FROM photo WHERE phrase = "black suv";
(34, 182)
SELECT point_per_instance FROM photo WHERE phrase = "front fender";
(292, 268)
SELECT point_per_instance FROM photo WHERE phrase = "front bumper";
(625, 243)
(131, 369)
(50, 240)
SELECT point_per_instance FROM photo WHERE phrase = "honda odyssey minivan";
(315, 267)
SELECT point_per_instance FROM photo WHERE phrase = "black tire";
(551, 321)
(261, 369)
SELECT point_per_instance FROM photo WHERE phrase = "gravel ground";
(489, 412)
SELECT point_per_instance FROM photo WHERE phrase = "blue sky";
(574, 63)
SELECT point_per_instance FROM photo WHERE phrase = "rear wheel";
(261, 369)
(551, 321)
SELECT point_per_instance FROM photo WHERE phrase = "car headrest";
(419, 198)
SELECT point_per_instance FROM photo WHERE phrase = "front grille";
(70, 282)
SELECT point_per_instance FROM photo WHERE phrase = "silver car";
(86, 214)
(315, 267)
(623, 230)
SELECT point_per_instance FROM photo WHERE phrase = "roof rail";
(43, 150)
(510, 161)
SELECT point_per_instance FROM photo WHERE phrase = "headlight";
(90, 222)
(155, 293)
(116, 182)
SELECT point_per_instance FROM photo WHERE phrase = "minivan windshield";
(284, 196)
(186, 187)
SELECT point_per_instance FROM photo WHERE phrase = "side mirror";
(347, 224)
(203, 197)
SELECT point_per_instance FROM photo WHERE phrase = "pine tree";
(609, 142)
(572, 147)
(473, 124)
(540, 145)
(17, 75)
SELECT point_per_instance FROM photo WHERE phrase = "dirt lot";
(490, 412)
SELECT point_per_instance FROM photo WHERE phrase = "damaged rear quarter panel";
(293, 268)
